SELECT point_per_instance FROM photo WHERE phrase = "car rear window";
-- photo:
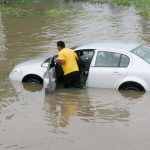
(143, 52)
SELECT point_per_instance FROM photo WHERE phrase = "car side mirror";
(44, 64)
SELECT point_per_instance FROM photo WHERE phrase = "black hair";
(61, 44)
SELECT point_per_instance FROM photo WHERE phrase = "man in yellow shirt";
(68, 60)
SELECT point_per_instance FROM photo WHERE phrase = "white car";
(121, 66)
(30, 71)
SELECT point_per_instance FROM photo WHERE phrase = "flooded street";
(88, 119)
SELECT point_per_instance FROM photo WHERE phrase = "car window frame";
(121, 54)
(78, 50)
(87, 66)
(121, 59)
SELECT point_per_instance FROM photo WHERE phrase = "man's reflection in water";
(61, 111)
(68, 109)
(64, 106)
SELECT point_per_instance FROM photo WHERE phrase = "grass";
(61, 12)
(16, 12)
(121, 2)
(142, 7)
(28, 1)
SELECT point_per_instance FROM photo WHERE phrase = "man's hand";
(60, 61)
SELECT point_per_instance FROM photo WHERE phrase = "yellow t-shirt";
(70, 60)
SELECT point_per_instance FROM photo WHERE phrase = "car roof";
(110, 46)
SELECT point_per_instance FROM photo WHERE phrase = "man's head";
(60, 45)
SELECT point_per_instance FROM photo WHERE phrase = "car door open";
(50, 77)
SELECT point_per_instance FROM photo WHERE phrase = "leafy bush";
(61, 12)
(15, 11)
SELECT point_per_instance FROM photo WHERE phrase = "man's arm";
(60, 61)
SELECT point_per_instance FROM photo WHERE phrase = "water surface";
(75, 118)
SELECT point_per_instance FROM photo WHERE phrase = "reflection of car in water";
(32, 91)
(132, 95)
(103, 65)
(102, 105)
(91, 104)
(32, 87)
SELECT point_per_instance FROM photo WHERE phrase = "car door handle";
(117, 73)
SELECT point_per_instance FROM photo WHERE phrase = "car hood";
(38, 60)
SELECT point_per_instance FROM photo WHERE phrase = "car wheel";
(33, 79)
(131, 86)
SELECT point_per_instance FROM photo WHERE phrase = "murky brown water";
(76, 119)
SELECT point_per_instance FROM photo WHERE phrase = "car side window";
(85, 56)
(124, 62)
(111, 59)
(107, 59)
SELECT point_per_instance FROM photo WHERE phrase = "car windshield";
(143, 52)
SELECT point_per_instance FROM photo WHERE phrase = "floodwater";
(89, 119)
